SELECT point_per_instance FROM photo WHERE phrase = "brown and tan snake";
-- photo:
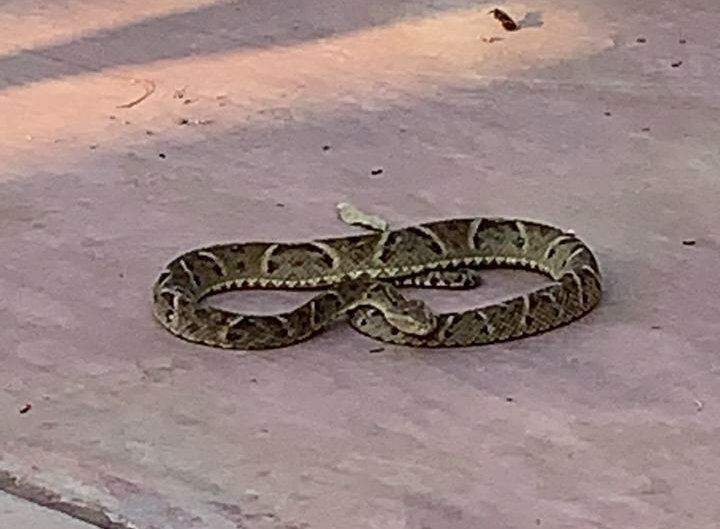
(358, 278)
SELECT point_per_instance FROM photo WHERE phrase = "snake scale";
(358, 278)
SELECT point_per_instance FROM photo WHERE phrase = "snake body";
(359, 277)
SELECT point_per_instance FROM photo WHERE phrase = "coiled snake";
(359, 275)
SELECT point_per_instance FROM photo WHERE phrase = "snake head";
(412, 317)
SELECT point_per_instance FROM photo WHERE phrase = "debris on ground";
(507, 22)
(689, 242)
(377, 350)
(26, 408)
(187, 121)
(149, 90)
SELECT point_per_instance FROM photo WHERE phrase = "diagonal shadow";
(210, 29)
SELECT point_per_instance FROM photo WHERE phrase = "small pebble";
(689, 242)
(325, 147)
(641, 40)
(280, 204)
(376, 171)
(182, 121)
(676, 64)
(509, 399)
(162, 155)
(607, 113)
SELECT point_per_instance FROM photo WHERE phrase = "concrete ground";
(20, 514)
(260, 116)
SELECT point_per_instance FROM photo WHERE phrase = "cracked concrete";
(15, 512)
(600, 118)
(53, 502)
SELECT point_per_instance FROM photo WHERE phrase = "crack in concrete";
(94, 515)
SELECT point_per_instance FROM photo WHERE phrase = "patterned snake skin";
(359, 275)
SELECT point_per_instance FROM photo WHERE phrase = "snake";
(359, 278)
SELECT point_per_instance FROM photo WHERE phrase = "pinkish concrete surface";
(609, 423)
(16, 513)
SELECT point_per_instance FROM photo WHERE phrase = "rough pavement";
(260, 118)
